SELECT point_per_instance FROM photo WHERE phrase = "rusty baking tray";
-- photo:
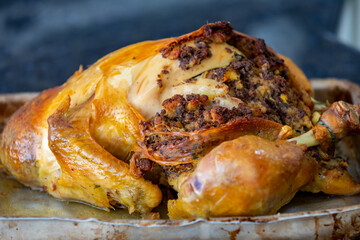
(29, 214)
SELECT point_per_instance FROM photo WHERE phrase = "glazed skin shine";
(207, 114)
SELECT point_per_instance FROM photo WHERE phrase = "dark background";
(43, 42)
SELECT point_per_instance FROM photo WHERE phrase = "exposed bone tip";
(307, 139)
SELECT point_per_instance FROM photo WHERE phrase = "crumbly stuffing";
(258, 80)
(267, 89)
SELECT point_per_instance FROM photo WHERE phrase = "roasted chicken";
(215, 115)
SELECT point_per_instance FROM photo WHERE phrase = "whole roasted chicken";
(215, 115)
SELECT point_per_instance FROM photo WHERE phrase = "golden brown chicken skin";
(211, 109)
(256, 175)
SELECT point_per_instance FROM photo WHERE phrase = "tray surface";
(315, 216)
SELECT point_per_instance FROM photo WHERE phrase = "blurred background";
(43, 42)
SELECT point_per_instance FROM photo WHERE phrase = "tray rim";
(185, 222)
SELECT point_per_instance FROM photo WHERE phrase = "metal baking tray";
(29, 214)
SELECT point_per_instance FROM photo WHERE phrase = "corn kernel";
(232, 75)
(284, 98)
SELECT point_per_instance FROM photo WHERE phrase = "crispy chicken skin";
(211, 109)
(256, 175)
(66, 139)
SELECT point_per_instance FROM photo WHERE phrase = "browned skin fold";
(204, 140)
(91, 166)
(19, 141)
